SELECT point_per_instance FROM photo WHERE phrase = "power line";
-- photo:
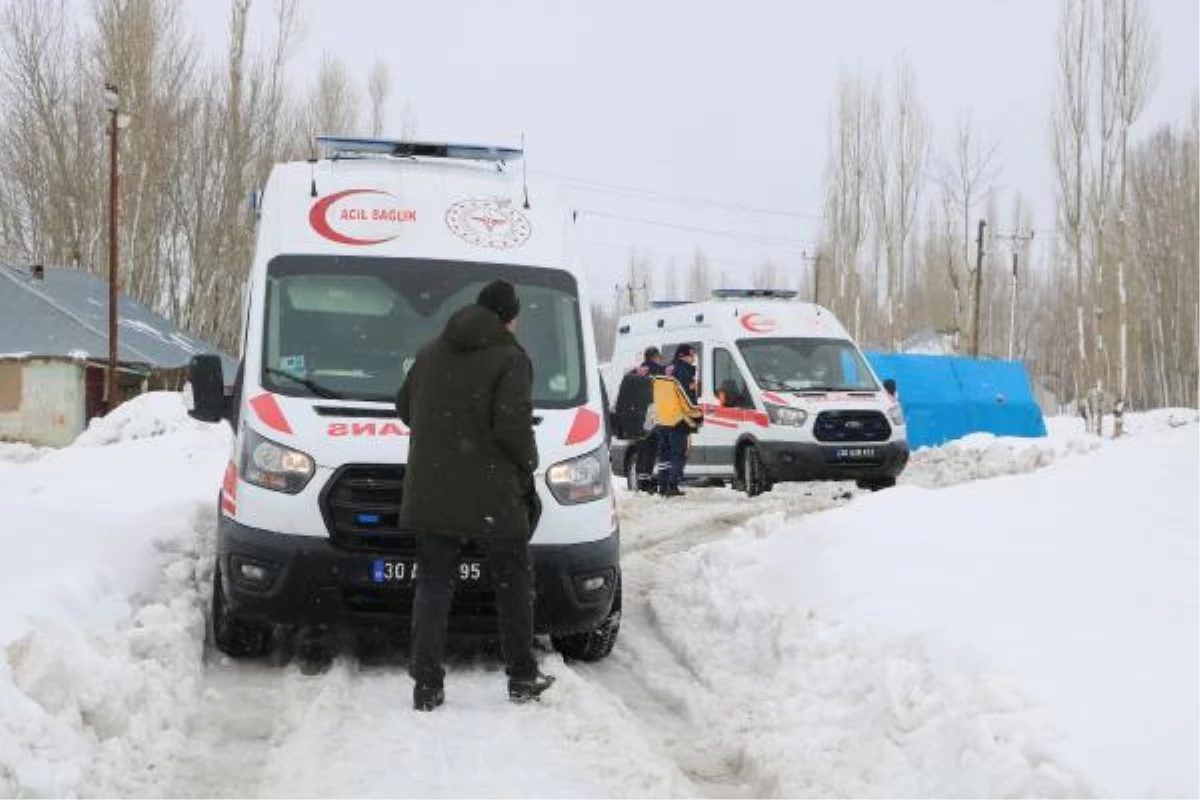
(716, 259)
(600, 187)
(761, 238)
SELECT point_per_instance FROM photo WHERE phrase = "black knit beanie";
(501, 298)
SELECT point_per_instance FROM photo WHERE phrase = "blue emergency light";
(339, 146)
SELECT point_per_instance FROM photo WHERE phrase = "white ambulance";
(787, 395)
(361, 257)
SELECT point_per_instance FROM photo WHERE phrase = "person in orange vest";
(676, 416)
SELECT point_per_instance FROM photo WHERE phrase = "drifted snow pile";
(101, 610)
(1032, 635)
(149, 415)
(815, 708)
(984, 455)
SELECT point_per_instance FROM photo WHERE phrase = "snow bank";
(145, 416)
(101, 619)
(816, 708)
(21, 453)
(984, 455)
(1035, 634)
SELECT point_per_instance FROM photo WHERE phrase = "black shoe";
(522, 691)
(427, 697)
(672, 491)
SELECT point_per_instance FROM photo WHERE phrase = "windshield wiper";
(788, 386)
(311, 385)
(773, 385)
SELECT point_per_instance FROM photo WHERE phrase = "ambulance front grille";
(851, 426)
(361, 506)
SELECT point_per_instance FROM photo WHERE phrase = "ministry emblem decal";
(489, 222)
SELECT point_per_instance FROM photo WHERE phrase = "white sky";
(703, 99)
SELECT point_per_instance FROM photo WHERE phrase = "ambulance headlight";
(579, 480)
(272, 466)
(785, 415)
(896, 415)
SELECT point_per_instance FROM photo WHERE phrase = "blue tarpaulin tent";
(947, 397)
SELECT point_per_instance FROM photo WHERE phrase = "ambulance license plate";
(855, 454)
(396, 571)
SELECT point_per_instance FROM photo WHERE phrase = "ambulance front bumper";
(796, 461)
(306, 580)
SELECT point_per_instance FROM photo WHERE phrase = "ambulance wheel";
(596, 643)
(754, 474)
(234, 636)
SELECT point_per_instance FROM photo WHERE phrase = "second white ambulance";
(787, 395)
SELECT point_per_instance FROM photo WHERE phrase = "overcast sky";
(698, 100)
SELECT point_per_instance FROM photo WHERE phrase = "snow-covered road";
(764, 651)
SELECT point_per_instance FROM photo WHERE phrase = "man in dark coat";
(472, 453)
(634, 399)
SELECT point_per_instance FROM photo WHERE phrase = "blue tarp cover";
(947, 397)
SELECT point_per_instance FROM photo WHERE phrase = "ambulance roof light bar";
(742, 294)
(353, 146)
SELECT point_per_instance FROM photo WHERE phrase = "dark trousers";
(647, 454)
(672, 453)
(511, 568)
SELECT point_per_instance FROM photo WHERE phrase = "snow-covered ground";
(100, 610)
(1016, 618)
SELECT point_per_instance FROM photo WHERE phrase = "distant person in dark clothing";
(652, 362)
(472, 454)
(683, 369)
(647, 447)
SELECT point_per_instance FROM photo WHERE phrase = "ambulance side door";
(730, 406)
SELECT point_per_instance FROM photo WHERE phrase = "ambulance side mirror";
(889, 386)
(208, 389)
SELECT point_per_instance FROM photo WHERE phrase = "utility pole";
(978, 289)
(815, 260)
(112, 101)
(1015, 241)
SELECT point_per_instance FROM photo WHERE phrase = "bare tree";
(333, 102)
(700, 277)
(847, 198)
(378, 87)
(910, 138)
(1132, 55)
(1069, 125)
(965, 178)
(767, 276)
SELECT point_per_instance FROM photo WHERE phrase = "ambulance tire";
(596, 643)
(234, 636)
(754, 478)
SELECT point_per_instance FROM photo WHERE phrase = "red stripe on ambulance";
(585, 426)
(268, 410)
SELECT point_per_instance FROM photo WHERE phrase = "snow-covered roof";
(65, 314)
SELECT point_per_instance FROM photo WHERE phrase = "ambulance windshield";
(807, 365)
(349, 327)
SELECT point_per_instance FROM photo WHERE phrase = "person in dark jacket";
(673, 438)
(472, 454)
(652, 362)
(647, 447)
(683, 369)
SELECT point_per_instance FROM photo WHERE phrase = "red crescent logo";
(318, 218)
(757, 323)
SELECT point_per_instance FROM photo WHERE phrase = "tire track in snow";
(646, 673)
